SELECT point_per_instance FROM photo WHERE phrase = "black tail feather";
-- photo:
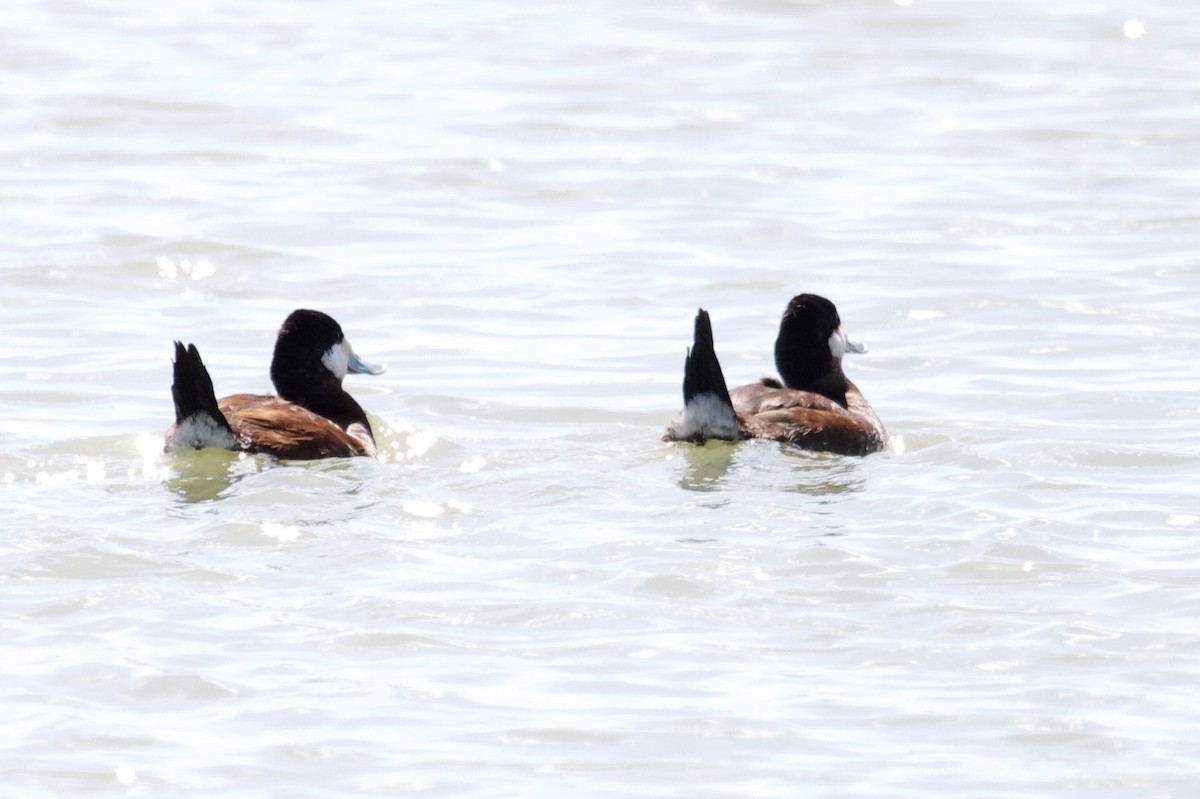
(192, 389)
(702, 371)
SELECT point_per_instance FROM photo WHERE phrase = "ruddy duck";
(312, 417)
(815, 406)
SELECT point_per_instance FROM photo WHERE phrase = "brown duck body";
(274, 426)
(313, 416)
(817, 408)
(807, 419)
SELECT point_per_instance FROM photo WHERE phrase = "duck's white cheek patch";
(837, 344)
(336, 360)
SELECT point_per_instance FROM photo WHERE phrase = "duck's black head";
(809, 349)
(311, 357)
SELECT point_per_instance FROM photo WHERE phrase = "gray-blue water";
(519, 208)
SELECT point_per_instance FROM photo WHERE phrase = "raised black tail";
(193, 389)
(701, 370)
(195, 399)
(707, 409)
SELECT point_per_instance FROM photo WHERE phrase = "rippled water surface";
(519, 206)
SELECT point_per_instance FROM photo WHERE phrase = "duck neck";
(833, 385)
(802, 370)
(340, 408)
(806, 363)
(322, 393)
